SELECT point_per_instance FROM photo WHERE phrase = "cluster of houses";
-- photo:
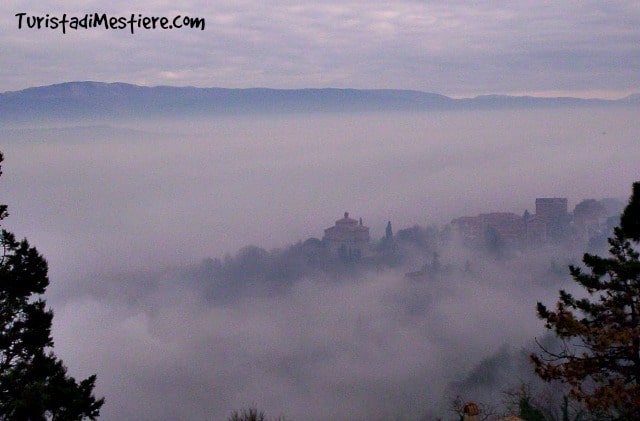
(349, 238)
(551, 219)
(551, 222)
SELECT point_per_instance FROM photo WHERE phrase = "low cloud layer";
(127, 214)
(377, 346)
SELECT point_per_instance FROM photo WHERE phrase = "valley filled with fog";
(145, 225)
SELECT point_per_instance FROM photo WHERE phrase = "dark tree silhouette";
(600, 356)
(250, 414)
(34, 384)
(630, 220)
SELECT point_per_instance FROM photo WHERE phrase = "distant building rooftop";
(348, 237)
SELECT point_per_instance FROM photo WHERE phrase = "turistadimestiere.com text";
(132, 22)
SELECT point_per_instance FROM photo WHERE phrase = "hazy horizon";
(590, 94)
(410, 168)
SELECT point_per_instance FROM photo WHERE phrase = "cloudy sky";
(576, 47)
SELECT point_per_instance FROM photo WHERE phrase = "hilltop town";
(421, 253)
(590, 222)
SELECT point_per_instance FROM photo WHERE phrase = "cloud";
(447, 47)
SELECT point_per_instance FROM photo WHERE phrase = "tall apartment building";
(552, 209)
(552, 213)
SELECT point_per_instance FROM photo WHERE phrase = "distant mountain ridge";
(99, 99)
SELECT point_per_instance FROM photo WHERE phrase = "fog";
(126, 212)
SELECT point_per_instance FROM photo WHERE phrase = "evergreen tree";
(630, 219)
(34, 384)
(600, 356)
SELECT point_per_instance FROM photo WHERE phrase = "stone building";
(348, 238)
(508, 227)
(550, 222)
(551, 208)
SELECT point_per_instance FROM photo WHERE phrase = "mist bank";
(161, 192)
(97, 100)
(196, 342)
(145, 225)
(312, 339)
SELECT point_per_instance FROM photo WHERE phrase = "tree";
(600, 354)
(34, 384)
(250, 414)
(630, 219)
(522, 402)
(589, 210)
